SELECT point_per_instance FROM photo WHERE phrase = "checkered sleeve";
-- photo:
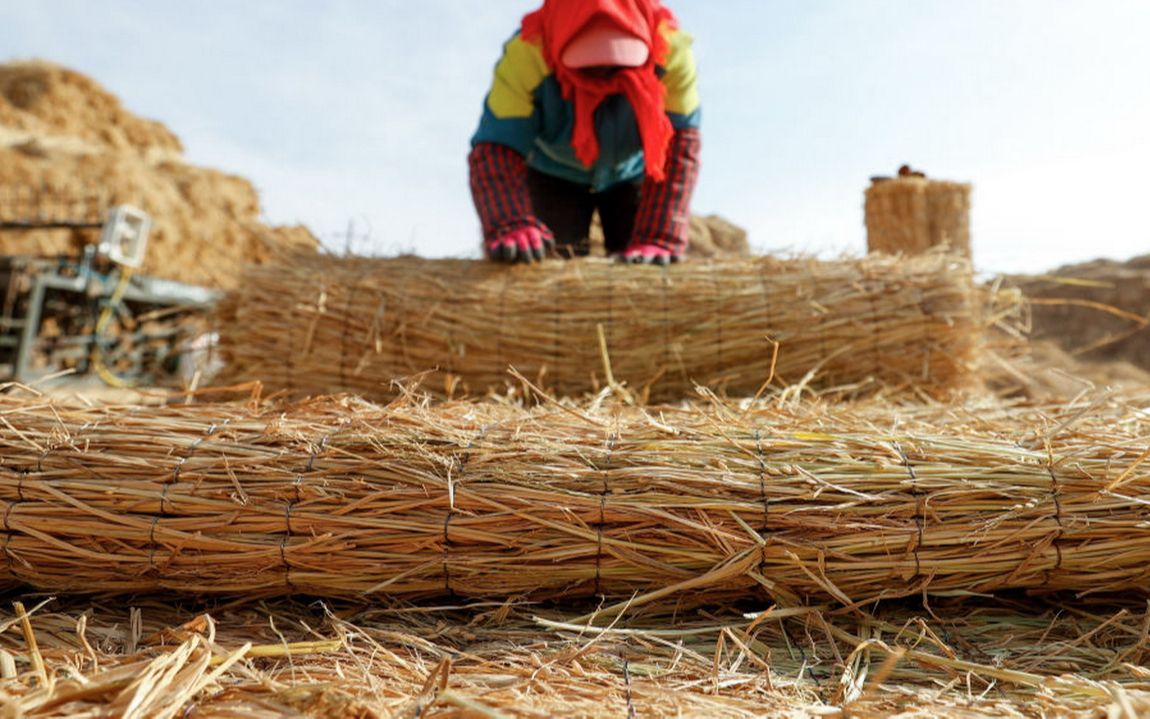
(664, 216)
(499, 190)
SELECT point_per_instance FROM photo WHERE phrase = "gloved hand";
(643, 253)
(527, 244)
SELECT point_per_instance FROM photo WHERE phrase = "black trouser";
(566, 208)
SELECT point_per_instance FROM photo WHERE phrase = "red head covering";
(558, 22)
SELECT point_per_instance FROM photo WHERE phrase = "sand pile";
(68, 149)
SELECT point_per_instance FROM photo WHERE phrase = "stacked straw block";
(341, 498)
(323, 325)
(912, 215)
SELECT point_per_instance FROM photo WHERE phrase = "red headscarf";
(558, 22)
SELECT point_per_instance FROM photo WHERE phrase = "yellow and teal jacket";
(525, 111)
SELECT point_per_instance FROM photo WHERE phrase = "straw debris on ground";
(1014, 657)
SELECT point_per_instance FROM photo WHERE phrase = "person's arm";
(497, 162)
(511, 231)
(662, 224)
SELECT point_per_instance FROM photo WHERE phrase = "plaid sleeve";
(499, 189)
(664, 216)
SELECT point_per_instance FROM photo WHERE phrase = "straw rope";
(324, 325)
(339, 497)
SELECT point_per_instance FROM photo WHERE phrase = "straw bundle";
(912, 215)
(326, 325)
(287, 659)
(344, 498)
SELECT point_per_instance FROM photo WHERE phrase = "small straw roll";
(324, 325)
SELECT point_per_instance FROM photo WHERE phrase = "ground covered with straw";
(1012, 657)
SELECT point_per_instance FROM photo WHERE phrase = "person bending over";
(593, 106)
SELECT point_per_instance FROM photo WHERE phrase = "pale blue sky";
(360, 110)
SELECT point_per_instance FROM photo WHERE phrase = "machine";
(90, 313)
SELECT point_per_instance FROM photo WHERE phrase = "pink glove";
(647, 254)
(527, 244)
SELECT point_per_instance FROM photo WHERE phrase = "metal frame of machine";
(81, 295)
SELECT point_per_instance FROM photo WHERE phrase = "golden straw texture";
(338, 497)
(324, 325)
(1020, 658)
(911, 215)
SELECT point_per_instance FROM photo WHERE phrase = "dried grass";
(1097, 310)
(323, 325)
(340, 498)
(1010, 658)
(912, 215)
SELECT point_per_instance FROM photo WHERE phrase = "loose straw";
(268, 659)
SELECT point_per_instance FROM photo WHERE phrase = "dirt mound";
(69, 150)
(1098, 310)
